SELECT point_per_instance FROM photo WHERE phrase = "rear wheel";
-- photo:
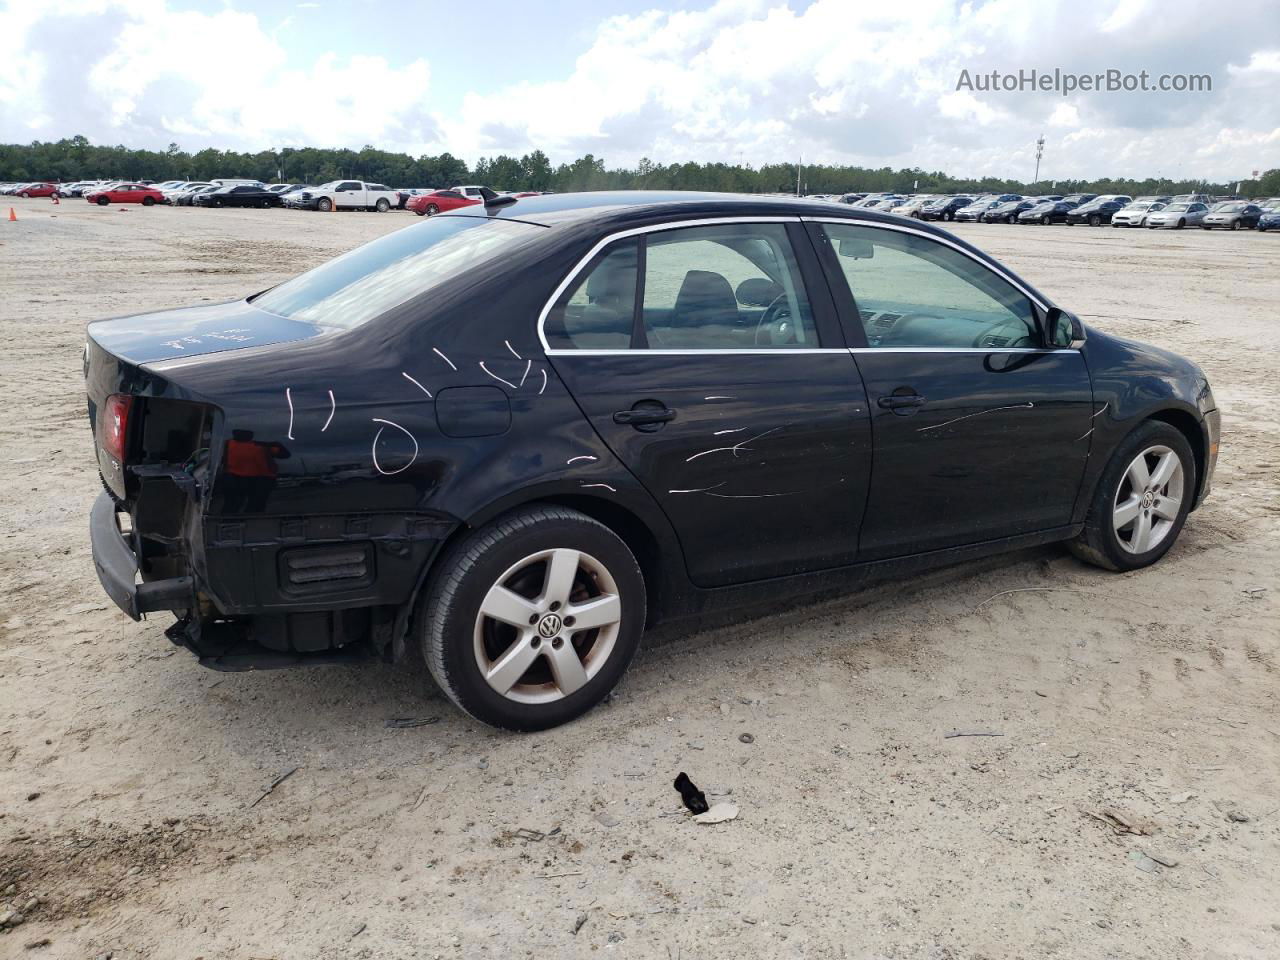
(383, 205)
(1141, 502)
(533, 618)
(432, 209)
(148, 201)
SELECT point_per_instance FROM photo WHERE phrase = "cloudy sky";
(749, 81)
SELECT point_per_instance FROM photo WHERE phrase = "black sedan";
(1047, 211)
(507, 438)
(1009, 211)
(944, 208)
(1096, 212)
(238, 196)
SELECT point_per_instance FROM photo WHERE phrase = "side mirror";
(1063, 330)
(856, 249)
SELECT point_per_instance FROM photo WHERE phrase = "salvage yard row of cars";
(1119, 210)
(335, 195)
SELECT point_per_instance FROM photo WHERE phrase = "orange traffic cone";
(12, 216)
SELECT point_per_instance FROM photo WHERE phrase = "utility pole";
(799, 167)
(1039, 154)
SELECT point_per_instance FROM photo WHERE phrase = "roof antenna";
(500, 201)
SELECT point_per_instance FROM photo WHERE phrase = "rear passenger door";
(980, 430)
(709, 358)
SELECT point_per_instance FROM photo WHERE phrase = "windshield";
(392, 270)
(1228, 207)
(1177, 208)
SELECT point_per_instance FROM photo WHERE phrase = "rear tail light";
(114, 428)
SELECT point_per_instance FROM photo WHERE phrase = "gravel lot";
(128, 822)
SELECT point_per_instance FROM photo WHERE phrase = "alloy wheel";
(1148, 500)
(547, 626)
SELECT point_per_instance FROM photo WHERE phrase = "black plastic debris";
(405, 723)
(693, 798)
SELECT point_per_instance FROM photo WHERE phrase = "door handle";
(644, 415)
(898, 401)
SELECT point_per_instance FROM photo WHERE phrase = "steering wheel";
(775, 324)
(1023, 341)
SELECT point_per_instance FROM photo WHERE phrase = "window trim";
(572, 275)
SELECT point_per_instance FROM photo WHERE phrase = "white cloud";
(754, 79)
(154, 74)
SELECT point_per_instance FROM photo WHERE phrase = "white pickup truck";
(345, 195)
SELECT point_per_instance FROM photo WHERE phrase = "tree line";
(75, 158)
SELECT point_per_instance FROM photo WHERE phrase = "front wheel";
(1141, 501)
(25, 195)
(324, 204)
(1044, 221)
(532, 619)
(1095, 221)
(1181, 224)
(1235, 224)
(383, 205)
(103, 201)
(948, 216)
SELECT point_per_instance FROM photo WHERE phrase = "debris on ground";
(577, 924)
(973, 733)
(746, 738)
(1143, 862)
(275, 783)
(720, 813)
(1119, 822)
(1163, 859)
(404, 723)
(533, 836)
(606, 819)
(1235, 816)
(693, 798)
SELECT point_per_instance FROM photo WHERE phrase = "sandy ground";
(129, 775)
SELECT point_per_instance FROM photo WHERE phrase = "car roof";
(615, 209)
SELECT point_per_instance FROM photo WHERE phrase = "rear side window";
(392, 270)
(722, 287)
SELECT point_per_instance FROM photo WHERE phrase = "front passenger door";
(980, 430)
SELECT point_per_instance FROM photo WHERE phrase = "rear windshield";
(370, 280)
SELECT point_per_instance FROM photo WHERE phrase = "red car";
(126, 193)
(426, 204)
(38, 190)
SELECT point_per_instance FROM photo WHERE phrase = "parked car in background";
(438, 201)
(852, 198)
(1270, 219)
(346, 195)
(242, 195)
(911, 208)
(944, 208)
(1047, 211)
(453, 443)
(1232, 215)
(125, 193)
(186, 198)
(1178, 215)
(974, 211)
(1135, 214)
(1008, 212)
(1097, 211)
(38, 189)
(1192, 198)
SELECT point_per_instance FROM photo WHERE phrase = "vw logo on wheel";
(549, 626)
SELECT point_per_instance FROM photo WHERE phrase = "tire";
(1181, 224)
(512, 552)
(1095, 221)
(324, 204)
(1205, 226)
(1010, 219)
(948, 216)
(383, 205)
(148, 201)
(25, 195)
(1044, 221)
(432, 209)
(103, 202)
(1100, 543)
(1235, 224)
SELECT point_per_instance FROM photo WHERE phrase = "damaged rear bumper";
(117, 564)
